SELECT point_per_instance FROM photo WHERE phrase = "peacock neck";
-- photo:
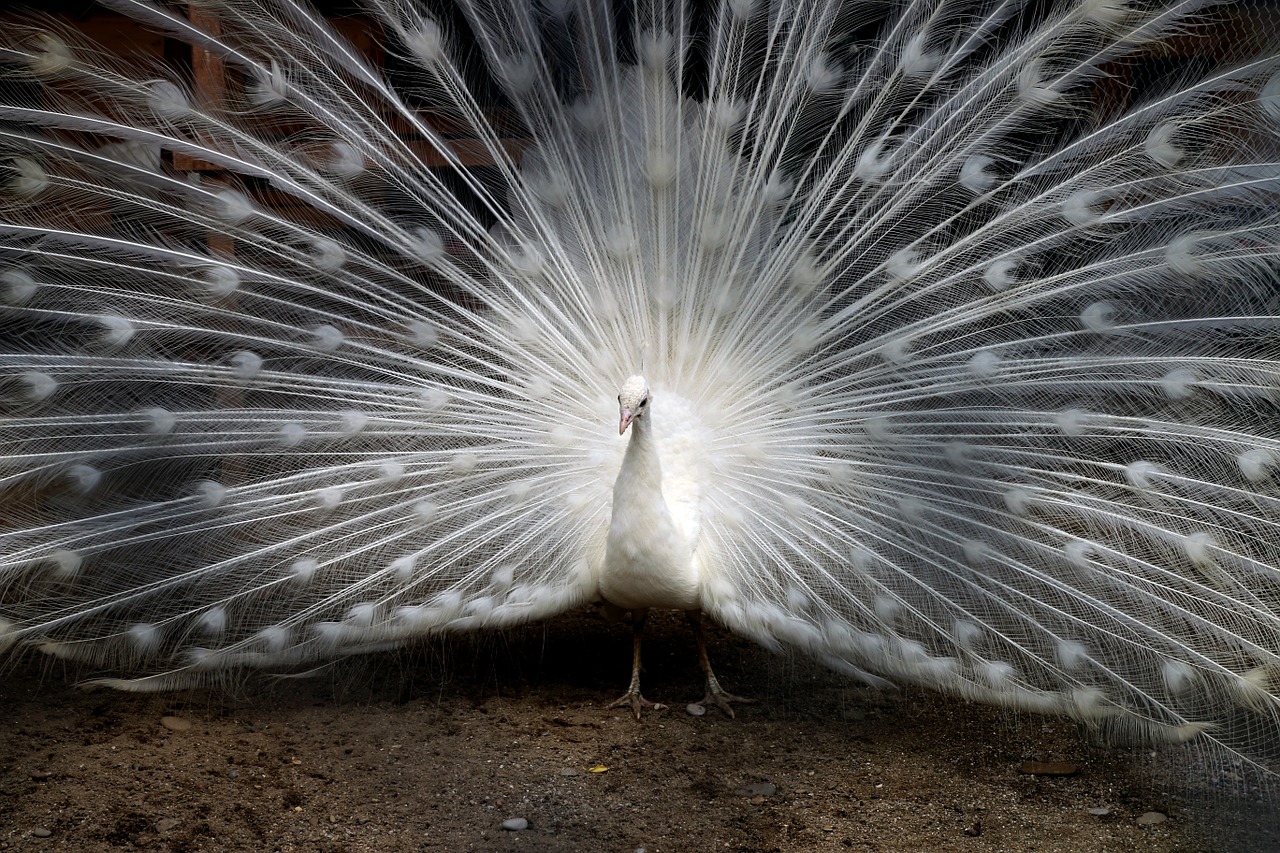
(641, 459)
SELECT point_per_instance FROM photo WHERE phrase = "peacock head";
(633, 401)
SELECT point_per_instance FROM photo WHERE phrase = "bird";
(942, 338)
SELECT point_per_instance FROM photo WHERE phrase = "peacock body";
(959, 325)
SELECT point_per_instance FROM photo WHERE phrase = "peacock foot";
(721, 698)
(638, 703)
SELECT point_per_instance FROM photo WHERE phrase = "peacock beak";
(625, 420)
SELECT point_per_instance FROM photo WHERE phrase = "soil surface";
(435, 747)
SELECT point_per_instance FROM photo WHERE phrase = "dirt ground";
(434, 748)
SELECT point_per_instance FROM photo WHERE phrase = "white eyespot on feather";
(210, 494)
(327, 255)
(1252, 688)
(997, 674)
(1017, 501)
(916, 60)
(1072, 422)
(83, 478)
(49, 55)
(1109, 13)
(502, 577)
(1178, 384)
(727, 114)
(213, 622)
(291, 434)
(402, 568)
(897, 351)
(246, 365)
(659, 168)
(776, 189)
(588, 114)
(37, 386)
(1199, 547)
(1142, 473)
(975, 551)
(1269, 96)
(620, 241)
(999, 274)
(974, 175)
(232, 206)
(269, 86)
(1079, 554)
(1178, 676)
(17, 287)
(1160, 148)
(1081, 208)
(344, 160)
(518, 72)
(158, 422)
(361, 615)
(1071, 654)
(874, 162)
(463, 463)
(1032, 87)
(426, 511)
(967, 634)
(822, 75)
(168, 101)
(352, 422)
(1098, 317)
(1256, 465)
(66, 564)
(422, 334)
(28, 178)
(656, 50)
(303, 571)
(1180, 255)
(425, 42)
(326, 338)
(329, 498)
(144, 637)
(219, 282)
(274, 639)
(115, 331)
(390, 472)
(433, 399)
(985, 364)
(426, 245)
(903, 265)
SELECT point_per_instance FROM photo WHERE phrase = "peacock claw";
(718, 696)
(637, 703)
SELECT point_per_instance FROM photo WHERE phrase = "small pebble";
(165, 824)
(515, 824)
(693, 709)
(1149, 818)
(41, 832)
(40, 775)
(757, 789)
(175, 724)
(1100, 812)
(568, 771)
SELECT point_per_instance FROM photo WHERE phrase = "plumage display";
(957, 323)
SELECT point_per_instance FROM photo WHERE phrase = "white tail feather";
(972, 348)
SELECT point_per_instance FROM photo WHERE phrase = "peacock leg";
(716, 695)
(632, 697)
